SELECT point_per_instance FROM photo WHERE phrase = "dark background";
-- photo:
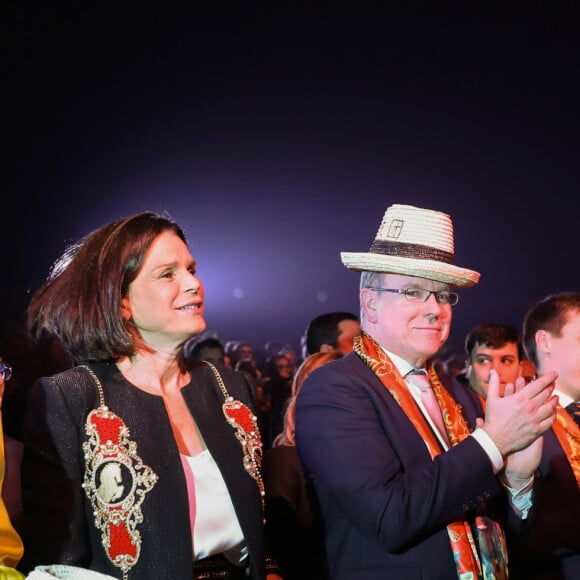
(278, 133)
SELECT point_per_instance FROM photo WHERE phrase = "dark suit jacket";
(384, 501)
(58, 516)
(550, 546)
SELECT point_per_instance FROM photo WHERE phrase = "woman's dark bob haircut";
(80, 302)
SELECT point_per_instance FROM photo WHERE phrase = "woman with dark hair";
(136, 465)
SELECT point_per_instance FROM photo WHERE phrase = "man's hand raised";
(522, 414)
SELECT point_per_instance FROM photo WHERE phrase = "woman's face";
(165, 301)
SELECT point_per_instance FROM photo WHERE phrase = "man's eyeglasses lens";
(422, 295)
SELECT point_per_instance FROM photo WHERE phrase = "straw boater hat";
(414, 242)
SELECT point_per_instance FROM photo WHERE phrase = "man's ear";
(125, 309)
(325, 348)
(470, 375)
(543, 342)
(368, 303)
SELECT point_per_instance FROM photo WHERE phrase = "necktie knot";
(419, 377)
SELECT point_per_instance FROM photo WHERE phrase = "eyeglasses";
(422, 295)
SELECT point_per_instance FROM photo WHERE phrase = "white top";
(215, 526)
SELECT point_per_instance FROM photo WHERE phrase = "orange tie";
(420, 379)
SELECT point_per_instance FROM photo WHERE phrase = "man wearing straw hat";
(412, 481)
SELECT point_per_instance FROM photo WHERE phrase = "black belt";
(218, 567)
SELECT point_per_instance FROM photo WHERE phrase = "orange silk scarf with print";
(460, 536)
(568, 434)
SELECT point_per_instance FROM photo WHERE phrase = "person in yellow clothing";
(11, 547)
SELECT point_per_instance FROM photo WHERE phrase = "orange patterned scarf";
(460, 535)
(568, 434)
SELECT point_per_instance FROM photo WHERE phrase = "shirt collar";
(563, 399)
(402, 365)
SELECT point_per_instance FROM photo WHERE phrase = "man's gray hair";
(369, 280)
